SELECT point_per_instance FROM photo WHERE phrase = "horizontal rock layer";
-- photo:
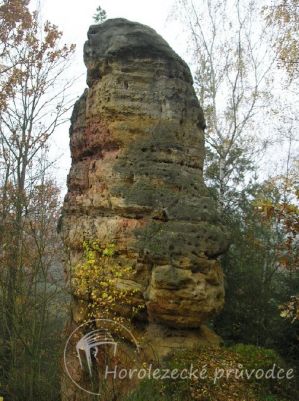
(136, 180)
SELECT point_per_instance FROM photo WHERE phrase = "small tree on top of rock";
(100, 16)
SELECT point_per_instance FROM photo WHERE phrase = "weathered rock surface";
(136, 180)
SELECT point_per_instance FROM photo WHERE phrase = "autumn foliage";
(34, 100)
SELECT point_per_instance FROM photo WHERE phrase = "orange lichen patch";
(93, 141)
(130, 224)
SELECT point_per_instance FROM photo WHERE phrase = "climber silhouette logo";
(95, 348)
(90, 343)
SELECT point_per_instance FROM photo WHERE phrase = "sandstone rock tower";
(137, 146)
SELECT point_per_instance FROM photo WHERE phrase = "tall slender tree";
(34, 102)
(232, 76)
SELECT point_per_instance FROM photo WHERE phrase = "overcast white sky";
(74, 18)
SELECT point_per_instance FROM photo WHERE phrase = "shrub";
(224, 389)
